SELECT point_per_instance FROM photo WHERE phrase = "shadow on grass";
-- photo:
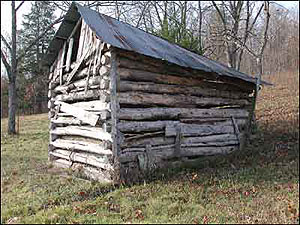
(271, 155)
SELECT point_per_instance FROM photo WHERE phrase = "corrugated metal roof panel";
(127, 37)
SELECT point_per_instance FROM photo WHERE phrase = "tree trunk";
(12, 106)
(12, 92)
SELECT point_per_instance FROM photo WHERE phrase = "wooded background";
(231, 32)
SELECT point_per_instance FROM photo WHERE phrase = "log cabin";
(123, 102)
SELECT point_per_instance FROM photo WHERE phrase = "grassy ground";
(259, 185)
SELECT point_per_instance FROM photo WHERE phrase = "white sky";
(25, 8)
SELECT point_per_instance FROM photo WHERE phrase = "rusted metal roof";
(125, 36)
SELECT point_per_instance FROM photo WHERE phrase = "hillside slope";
(259, 185)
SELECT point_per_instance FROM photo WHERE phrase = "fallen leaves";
(139, 214)
(13, 220)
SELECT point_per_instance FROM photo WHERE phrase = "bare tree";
(11, 65)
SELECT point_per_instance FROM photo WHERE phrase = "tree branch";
(19, 6)
(219, 12)
(39, 37)
(6, 64)
(6, 43)
(265, 37)
(142, 14)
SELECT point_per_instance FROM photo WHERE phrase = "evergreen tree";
(34, 24)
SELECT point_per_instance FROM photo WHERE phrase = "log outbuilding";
(123, 102)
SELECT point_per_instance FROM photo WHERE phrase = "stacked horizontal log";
(170, 113)
(79, 109)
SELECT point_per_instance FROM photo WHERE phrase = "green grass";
(259, 185)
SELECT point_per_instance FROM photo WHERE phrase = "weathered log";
(77, 96)
(147, 99)
(137, 127)
(100, 148)
(141, 75)
(150, 87)
(103, 114)
(93, 105)
(136, 61)
(104, 70)
(104, 83)
(79, 75)
(91, 132)
(162, 140)
(149, 126)
(196, 130)
(105, 96)
(114, 110)
(91, 87)
(156, 66)
(89, 172)
(62, 163)
(167, 152)
(93, 160)
(97, 174)
(77, 84)
(177, 113)
(79, 62)
(67, 121)
(77, 112)
(105, 59)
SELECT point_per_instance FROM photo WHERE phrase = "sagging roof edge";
(192, 60)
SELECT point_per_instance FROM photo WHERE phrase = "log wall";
(168, 113)
(79, 107)
(116, 115)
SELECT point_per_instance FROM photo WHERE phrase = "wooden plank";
(90, 132)
(98, 42)
(77, 66)
(75, 29)
(62, 64)
(69, 54)
(58, 65)
(81, 40)
(82, 146)
(77, 112)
